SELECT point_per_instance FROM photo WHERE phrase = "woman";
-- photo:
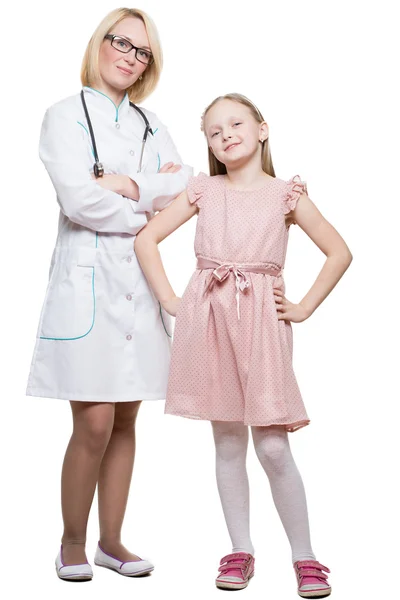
(103, 341)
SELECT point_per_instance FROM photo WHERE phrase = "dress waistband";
(220, 271)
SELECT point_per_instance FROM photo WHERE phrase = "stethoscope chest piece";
(98, 168)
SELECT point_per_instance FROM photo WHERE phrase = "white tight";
(273, 451)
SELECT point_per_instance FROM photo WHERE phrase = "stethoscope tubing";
(98, 167)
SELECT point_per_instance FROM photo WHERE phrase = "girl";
(102, 341)
(232, 352)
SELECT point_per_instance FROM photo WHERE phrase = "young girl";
(232, 352)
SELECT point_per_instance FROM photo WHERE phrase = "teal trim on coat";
(112, 102)
(82, 125)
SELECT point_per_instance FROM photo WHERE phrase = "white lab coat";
(102, 335)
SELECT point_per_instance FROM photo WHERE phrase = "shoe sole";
(136, 574)
(316, 593)
(76, 577)
(231, 585)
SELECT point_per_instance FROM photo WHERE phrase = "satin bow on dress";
(220, 272)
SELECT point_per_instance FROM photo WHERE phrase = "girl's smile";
(232, 146)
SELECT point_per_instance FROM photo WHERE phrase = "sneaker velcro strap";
(233, 565)
(313, 573)
(312, 564)
(236, 556)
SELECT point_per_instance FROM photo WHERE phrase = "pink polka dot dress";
(231, 356)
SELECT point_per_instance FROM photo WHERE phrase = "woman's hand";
(120, 184)
(288, 311)
(170, 167)
(171, 306)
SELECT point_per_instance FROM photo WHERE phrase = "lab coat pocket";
(70, 305)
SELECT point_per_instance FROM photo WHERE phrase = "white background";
(324, 74)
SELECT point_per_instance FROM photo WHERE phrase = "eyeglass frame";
(111, 37)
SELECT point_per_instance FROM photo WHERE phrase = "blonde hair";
(217, 167)
(90, 72)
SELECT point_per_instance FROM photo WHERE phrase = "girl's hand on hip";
(170, 167)
(171, 306)
(287, 311)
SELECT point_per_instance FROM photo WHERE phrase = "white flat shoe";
(131, 568)
(82, 572)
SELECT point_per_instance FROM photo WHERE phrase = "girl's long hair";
(217, 167)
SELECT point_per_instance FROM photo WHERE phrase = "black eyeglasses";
(121, 44)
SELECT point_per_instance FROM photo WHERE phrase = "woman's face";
(232, 132)
(119, 70)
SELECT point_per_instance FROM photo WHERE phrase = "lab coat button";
(128, 297)
(129, 337)
(129, 259)
(132, 152)
(117, 125)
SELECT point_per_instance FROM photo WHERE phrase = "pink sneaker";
(236, 571)
(312, 581)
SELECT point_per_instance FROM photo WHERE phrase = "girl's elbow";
(143, 239)
(346, 258)
(139, 239)
(341, 257)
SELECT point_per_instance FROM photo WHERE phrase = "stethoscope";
(98, 168)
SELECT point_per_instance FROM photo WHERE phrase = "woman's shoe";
(82, 572)
(132, 568)
(235, 571)
(311, 579)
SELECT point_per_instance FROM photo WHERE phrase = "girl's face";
(118, 70)
(232, 132)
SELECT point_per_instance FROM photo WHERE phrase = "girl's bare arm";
(158, 228)
(338, 258)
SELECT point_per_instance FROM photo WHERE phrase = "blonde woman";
(103, 341)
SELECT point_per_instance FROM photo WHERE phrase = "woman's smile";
(124, 70)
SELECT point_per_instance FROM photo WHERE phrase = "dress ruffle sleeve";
(196, 187)
(294, 188)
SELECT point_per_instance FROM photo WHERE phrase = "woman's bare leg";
(115, 478)
(93, 423)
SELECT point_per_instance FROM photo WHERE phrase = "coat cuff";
(157, 190)
(146, 193)
(140, 219)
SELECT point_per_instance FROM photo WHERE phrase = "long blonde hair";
(90, 72)
(217, 167)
